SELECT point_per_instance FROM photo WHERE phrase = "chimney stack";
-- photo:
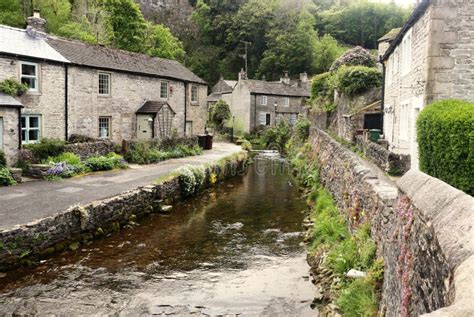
(36, 23)
(242, 75)
(304, 77)
(285, 79)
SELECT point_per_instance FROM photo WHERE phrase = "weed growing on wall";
(6, 178)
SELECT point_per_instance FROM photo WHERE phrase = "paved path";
(35, 200)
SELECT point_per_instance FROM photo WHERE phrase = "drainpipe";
(254, 112)
(185, 105)
(382, 106)
(66, 97)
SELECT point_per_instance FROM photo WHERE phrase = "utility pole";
(245, 56)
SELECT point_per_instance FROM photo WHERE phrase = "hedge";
(445, 132)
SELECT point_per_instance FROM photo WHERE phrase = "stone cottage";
(429, 59)
(78, 88)
(259, 103)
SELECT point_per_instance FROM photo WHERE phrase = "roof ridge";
(12, 28)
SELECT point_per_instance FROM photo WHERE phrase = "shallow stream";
(235, 250)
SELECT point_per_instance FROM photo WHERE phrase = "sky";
(400, 2)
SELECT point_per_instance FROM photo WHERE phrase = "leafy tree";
(56, 12)
(220, 114)
(161, 43)
(11, 13)
(82, 31)
(127, 24)
(326, 50)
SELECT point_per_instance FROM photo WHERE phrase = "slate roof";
(214, 97)
(150, 106)
(19, 42)
(107, 58)
(275, 88)
(9, 101)
(390, 35)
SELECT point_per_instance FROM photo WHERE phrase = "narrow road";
(27, 202)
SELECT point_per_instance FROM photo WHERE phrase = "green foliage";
(322, 91)
(11, 13)
(220, 113)
(6, 178)
(3, 160)
(67, 157)
(277, 137)
(357, 56)
(445, 131)
(160, 42)
(56, 12)
(46, 148)
(144, 152)
(353, 80)
(191, 179)
(301, 129)
(12, 87)
(246, 145)
(358, 299)
(105, 163)
(82, 31)
(326, 51)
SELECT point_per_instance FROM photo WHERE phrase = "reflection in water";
(234, 250)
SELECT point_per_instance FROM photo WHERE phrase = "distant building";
(259, 103)
(78, 88)
(429, 59)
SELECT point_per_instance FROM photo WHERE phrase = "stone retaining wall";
(394, 164)
(424, 232)
(78, 224)
(89, 149)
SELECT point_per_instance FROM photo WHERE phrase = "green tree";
(82, 31)
(56, 12)
(220, 114)
(326, 51)
(127, 25)
(161, 43)
(11, 13)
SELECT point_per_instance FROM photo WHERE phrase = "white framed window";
(104, 84)
(29, 75)
(286, 101)
(293, 118)
(164, 90)
(30, 129)
(406, 53)
(263, 100)
(104, 127)
(265, 118)
(194, 93)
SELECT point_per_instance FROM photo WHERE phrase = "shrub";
(191, 179)
(67, 157)
(354, 57)
(79, 138)
(445, 132)
(246, 145)
(12, 87)
(277, 136)
(106, 163)
(322, 91)
(220, 113)
(46, 148)
(353, 80)
(3, 160)
(146, 152)
(6, 178)
(301, 129)
(60, 170)
(358, 299)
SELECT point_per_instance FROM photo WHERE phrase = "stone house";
(429, 59)
(78, 88)
(259, 103)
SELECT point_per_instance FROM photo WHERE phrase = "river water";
(235, 250)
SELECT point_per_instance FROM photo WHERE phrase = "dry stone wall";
(424, 230)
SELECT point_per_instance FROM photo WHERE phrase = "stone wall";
(81, 223)
(389, 162)
(424, 232)
(90, 149)
(11, 137)
(196, 112)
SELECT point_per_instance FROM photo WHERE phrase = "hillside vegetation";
(293, 35)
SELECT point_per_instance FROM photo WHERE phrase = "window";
(104, 127)
(293, 118)
(286, 101)
(164, 90)
(29, 75)
(263, 100)
(268, 119)
(30, 129)
(406, 54)
(404, 124)
(265, 118)
(194, 93)
(104, 84)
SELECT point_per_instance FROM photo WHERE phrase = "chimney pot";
(242, 74)
(285, 79)
(36, 23)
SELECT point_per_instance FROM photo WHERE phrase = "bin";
(202, 140)
(374, 135)
(209, 139)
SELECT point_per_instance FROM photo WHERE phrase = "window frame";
(167, 89)
(196, 100)
(407, 52)
(292, 121)
(263, 100)
(109, 84)
(286, 101)
(35, 77)
(109, 127)
(27, 128)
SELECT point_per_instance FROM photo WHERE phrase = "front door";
(144, 126)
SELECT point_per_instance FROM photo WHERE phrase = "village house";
(429, 59)
(92, 90)
(260, 103)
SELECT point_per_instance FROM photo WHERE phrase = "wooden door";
(144, 126)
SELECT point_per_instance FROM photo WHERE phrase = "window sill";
(103, 96)
(194, 103)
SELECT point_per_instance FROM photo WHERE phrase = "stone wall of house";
(389, 162)
(128, 93)
(451, 55)
(240, 105)
(48, 101)
(11, 137)
(81, 223)
(282, 112)
(424, 232)
(196, 112)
